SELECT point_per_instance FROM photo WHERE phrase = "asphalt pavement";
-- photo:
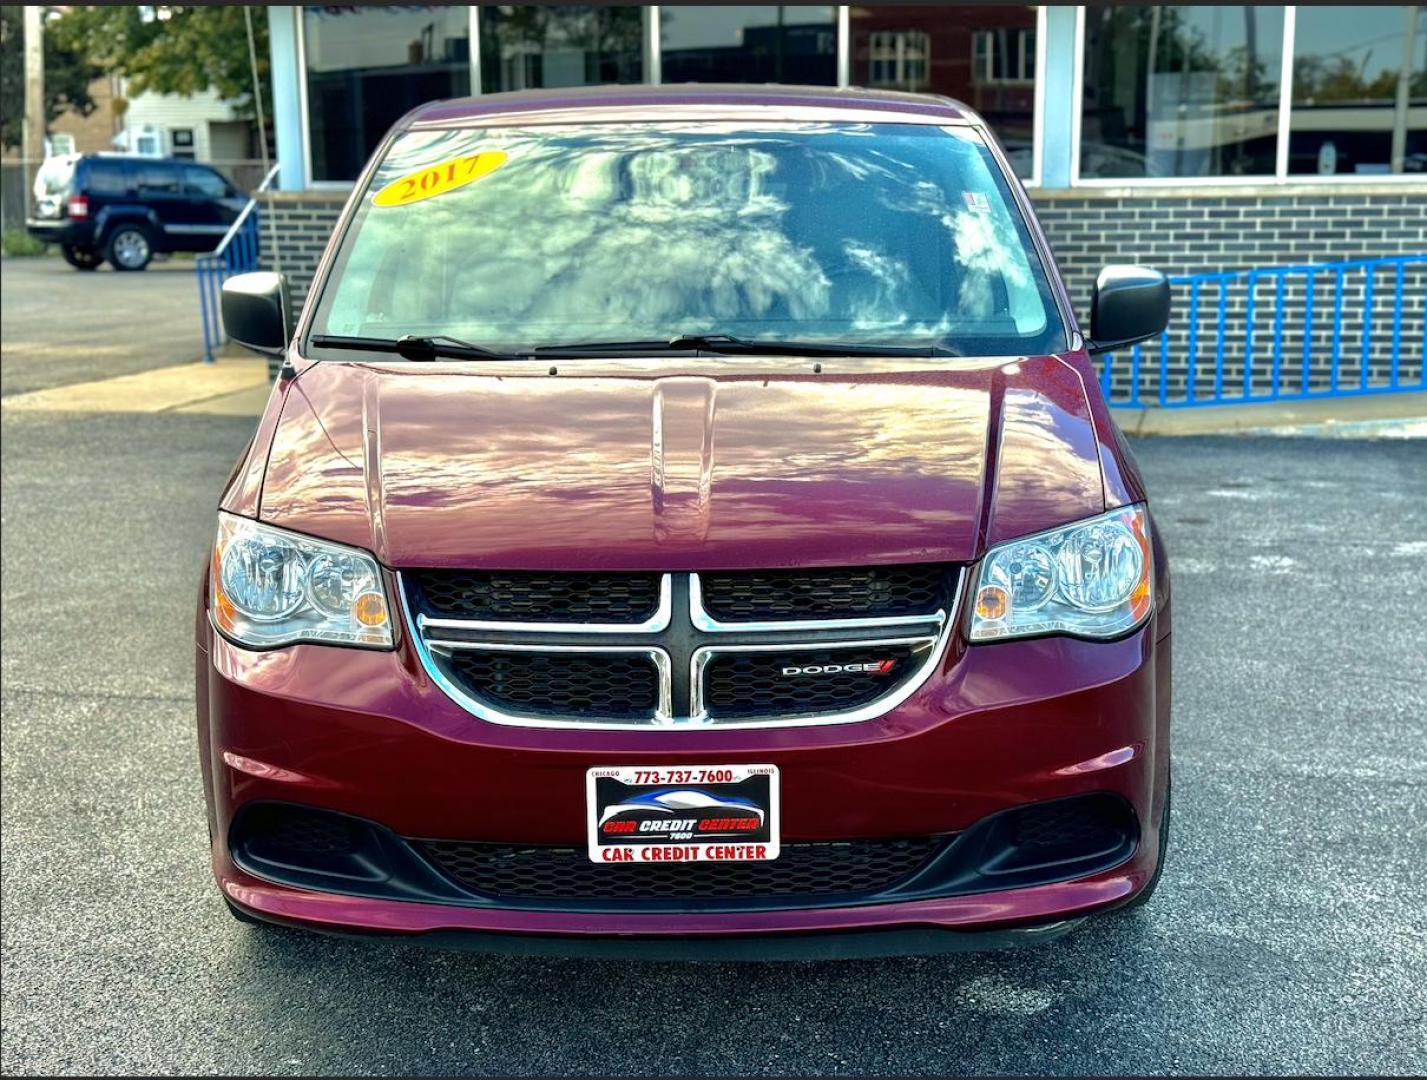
(59, 325)
(1288, 934)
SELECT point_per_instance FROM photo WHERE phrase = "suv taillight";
(78, 206)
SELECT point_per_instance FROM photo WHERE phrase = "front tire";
(81, 258)
(130, 248)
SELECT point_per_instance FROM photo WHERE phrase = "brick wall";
(1183, 231)
(93, 133)
(305, 220)
(1208, 230)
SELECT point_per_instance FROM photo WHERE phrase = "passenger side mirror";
(1128, 304)
(255, 311)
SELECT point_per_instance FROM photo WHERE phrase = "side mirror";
(255, 311)
(1128, 304)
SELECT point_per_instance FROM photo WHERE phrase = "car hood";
(687, 464)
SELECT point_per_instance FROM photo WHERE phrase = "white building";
(199, 127)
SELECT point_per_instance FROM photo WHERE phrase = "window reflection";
(367, 66)
(1181, 91)
(983, 55)
(787, 43)
(569, 45)
(1359, 91)
(886, 234)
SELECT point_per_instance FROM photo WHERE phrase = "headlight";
(1091, 579)
(271, 587)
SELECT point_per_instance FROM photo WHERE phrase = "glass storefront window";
(574, 45)
(1180, 91)
(366, 66)
(982, 55)
(1359, 91)
(786, 43)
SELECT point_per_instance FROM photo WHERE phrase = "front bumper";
(366, 733)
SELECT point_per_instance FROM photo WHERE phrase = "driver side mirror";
(255, 311)
(1128, 304)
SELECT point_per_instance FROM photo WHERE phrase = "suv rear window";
(902, 235)
(106, 178)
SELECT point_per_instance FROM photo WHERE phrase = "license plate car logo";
(682, 813)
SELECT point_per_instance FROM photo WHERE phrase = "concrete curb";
(187, 387)
(1401, 415)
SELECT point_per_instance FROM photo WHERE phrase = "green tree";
(68, 73)
(175, 50)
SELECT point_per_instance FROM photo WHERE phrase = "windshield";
(898, 235)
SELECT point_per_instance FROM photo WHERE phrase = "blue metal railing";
(236, 253)
(1266, 344)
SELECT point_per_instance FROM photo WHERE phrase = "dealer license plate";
(682, 813)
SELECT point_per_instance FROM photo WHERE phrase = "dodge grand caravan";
(687, 522)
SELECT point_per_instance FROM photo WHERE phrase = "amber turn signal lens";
(991, 602)
(369, 609)
(222, 607)
(1140, 599)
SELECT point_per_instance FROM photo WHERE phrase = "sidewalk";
(234, 385)
(1392, 416)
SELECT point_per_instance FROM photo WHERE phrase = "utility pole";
(34, 141)
(1404, 90)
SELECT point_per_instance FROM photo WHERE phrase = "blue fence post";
(1397, 330)
(1249, 336)
(1276, 387)
(1219, 345)
(1163, 368)
(202, 278)
(1192, 372)
(1312, 288)
(1367, 326)
(1337, 332)
(1135, 374)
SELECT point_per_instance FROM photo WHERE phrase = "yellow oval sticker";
(440, 178)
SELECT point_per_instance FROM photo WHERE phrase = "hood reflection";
(622, 468)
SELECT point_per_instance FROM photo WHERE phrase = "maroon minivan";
(687, 522)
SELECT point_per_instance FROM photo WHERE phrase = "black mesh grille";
(520, 597)
(565, 684)
(851, 593)
(824, 869)
(1084, 823)
(754, 683)
(284, 831)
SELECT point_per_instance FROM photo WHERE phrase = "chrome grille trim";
(935, 646)
(929, 632)
(662, 713)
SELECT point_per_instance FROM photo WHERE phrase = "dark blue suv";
(128, 209)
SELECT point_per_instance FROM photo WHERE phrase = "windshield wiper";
(730, 345)
(412, 347)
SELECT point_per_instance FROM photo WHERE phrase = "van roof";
(704, 101)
